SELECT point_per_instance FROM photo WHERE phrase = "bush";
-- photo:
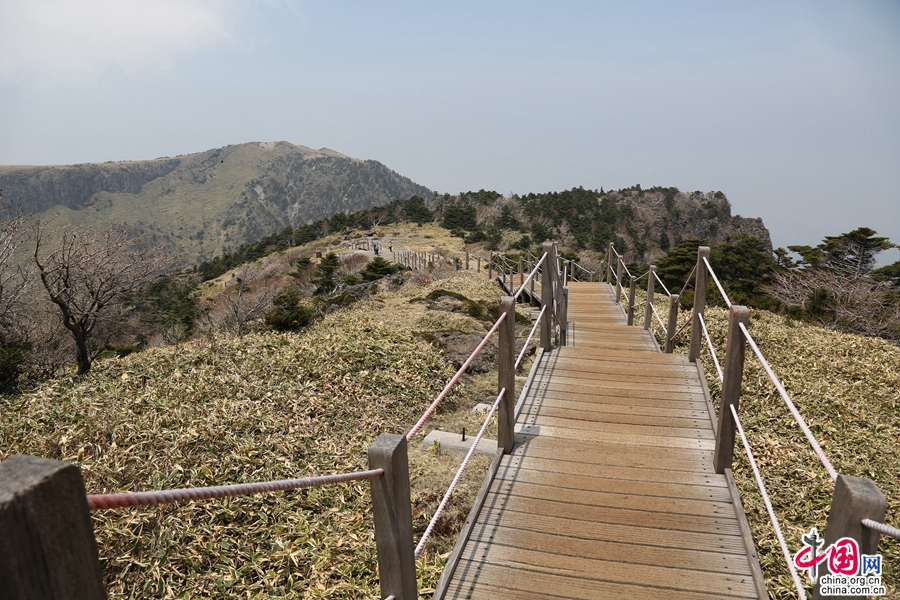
(288, 314)
(377, 269)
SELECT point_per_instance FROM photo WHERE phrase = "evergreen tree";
(378, 268)
(324, 279)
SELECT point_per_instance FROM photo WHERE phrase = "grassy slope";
(192, 198)
(847, 388)
(266, 407)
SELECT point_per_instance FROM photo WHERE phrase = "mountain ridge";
(206, 203)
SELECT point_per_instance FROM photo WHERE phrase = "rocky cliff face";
(662, 217)
(203, 204)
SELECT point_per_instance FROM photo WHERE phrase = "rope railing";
(154, 498)
(636, 279)
(534, 327)
(712, 350)
(687, 281)
(719, 285)
(787, 400)
(665, 289)
(627, 272)
(882, 528)
(658, 318)
(530, 276)
(440, 509)
(680, 329)
(430, 410)
(762, 489)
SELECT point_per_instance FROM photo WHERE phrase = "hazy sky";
(790, 108)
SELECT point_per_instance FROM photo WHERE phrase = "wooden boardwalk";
(609, 491)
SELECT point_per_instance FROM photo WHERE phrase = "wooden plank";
(632, 487)
(616, 437)
(587, 418)
(596, 469)
(579, 393)
(717, 531)
(698, 433)
(620, 391)
(559, 405)
(578, 567)
(611, 454)
(505, 583)
(597, 541)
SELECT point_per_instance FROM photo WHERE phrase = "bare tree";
(14, 277)
(86, 273)
(245, 299)
(841, 301)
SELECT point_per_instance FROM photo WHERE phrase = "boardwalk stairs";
(610, 490)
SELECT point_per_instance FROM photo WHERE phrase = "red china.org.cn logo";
(849, 572)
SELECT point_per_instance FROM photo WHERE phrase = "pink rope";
(787, 400)
(719, 285)
(762, 489)
(668, 293)
(712, 350)
(440, 509)
(680, 329)
(430, 411)
(530, 276)
(104, 501)
(658, 318)
(688, 280)
(882, 528)
(530, 335)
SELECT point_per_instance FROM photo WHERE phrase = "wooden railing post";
(609, 263)
(632, 285)
(467, 260)
(651, 288)
(392, 513)
(564, 316)
(506, 375)
(521, 273)
(479, 264)
(700, 277)
(47, 545)
(618, 280)
(733, 375)
(672, 326)
(854, 499)
(547, 297)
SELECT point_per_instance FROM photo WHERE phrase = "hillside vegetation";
(267, 406)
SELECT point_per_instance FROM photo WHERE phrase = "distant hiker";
(375, 247)
(390, 246)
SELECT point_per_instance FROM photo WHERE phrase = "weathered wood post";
(521, 272)
(732, 377)
(564, 316)
(618, 280)
(632, 286)
(479, 264)
(609, 263)
(547, 296)
(392, 513)
(651, 287)
(700, 277)
(672, 325)
(854, 499)
(467, 260)
(531, 283)
(47, 545)
(506, 375)
(490, 265)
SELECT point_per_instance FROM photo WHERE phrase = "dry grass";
(268, 406)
